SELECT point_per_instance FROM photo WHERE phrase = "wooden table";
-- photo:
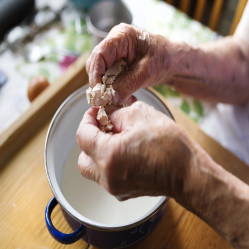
(25, 192)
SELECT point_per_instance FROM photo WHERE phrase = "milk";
(95, 203)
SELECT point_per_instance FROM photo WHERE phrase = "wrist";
(186, 69)
(217, 197)
(177, 158)
(161, 50)
(167, 53)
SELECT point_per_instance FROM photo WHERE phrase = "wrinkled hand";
(144, 156)
(145, 54)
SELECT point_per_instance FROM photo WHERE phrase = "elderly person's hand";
(212, 71)
(145, 54)
(147, 155)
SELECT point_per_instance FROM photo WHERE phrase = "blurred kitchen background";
(39, 39)
(228, 9)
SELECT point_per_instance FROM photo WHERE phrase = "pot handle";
(59, 236)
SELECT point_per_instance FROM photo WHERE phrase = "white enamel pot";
(96, 229)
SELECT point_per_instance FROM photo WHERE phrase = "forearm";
(218, 197)
(217, 71)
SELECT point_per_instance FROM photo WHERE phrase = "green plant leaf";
(198, 108)
(185, 107)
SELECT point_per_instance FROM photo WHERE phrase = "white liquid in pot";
(95, 203)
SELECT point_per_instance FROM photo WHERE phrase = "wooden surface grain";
(25, 192)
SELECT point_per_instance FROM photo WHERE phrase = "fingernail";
(116, 98)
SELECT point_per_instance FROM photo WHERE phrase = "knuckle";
(138, 105)
(79, 137)
(144, 110)
(123, 26)
(88, 64)
(126, 27)
(122, 30)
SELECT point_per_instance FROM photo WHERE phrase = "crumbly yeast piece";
(113, 72)
(102, 94)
